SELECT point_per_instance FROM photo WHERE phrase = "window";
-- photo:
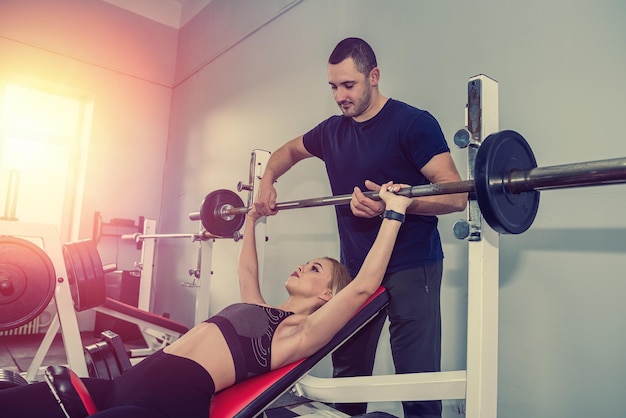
(42, 137)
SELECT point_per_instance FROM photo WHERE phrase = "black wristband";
(392, 214)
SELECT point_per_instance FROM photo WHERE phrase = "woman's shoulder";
(287, 343)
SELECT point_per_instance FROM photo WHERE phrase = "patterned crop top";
(248, 330)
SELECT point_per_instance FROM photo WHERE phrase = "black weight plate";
(210, 215)
(27, 282)
(86, 278)
(9, 379)
(96, 365)
(75, 276)
(94, 289)
(498, 155)
(98, 282)
(109, 359)
(98, 268)
(119, 350)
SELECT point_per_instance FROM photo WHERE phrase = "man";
(373, 129)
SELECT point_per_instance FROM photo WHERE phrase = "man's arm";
(278, 164)
(440, 169)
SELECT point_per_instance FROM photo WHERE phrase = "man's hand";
(265, 202)
(363, 206)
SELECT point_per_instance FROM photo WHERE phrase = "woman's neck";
(301, 305)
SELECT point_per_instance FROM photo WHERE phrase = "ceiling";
(174, 13)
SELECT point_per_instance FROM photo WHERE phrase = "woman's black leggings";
(162, 385)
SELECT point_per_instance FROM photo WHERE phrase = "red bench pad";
(150, 317)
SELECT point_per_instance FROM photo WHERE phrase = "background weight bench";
(86, 276)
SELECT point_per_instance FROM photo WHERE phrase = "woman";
(243, 340)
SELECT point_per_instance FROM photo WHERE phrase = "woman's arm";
(248, 268)
(323, 324)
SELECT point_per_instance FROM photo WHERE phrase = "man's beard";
(359, 107)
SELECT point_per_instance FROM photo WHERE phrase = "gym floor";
(17, 351)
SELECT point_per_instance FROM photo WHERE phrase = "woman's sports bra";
(248, 330)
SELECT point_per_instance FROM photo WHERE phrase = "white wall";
(560, 67)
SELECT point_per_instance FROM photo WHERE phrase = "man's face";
(352, 89)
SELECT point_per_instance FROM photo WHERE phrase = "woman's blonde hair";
(340, 277)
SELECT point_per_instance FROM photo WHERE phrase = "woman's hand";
(393, 201)
(252, 214)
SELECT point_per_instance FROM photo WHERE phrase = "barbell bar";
(506, 185)
(202, 236)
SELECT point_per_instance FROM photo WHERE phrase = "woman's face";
(311, 279)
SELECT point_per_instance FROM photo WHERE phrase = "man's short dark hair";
(361, 53)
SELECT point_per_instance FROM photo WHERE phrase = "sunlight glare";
(35, 111)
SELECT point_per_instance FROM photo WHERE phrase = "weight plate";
(75, 276)
(86, 277)
(119, 350)
(97, 277)
(96, 365)
(27, 282)
(109, 359)
(211, 217)
(9, 379)
(97, 265)
(94, 287)
(498, 155)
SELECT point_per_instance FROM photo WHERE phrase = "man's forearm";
(284, 158)
(438, 205)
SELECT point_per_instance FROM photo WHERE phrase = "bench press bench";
(246, 399)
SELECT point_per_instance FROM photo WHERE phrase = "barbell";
(506, 186)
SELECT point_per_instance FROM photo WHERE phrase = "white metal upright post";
(203, 286)
(147, 267)
(483, 268)
(260, 231)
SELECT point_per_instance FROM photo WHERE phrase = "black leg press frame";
(243, 400)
